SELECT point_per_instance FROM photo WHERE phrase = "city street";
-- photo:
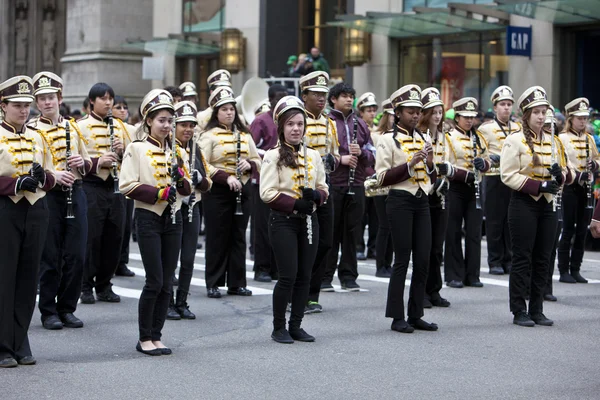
(227, 351)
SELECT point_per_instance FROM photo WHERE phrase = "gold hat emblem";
(583, 106)
(414, 95)
(187, 110)
(433, 96)
(292, 102)
(225, 94)
(371, 99)
(188, 89)
(506, 92)
(163, 98)
(470, 106)
(23, 88)
(321, 81)
(223, 77)
(44, 82)
(538, 95)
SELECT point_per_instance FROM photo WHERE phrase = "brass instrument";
(476, 171)
(238, 174)
(309, 232)
(588, 185)
(115, 171)
(173, 166)
(192, 200)
(70, 213)
(352, 170)
(373, 189)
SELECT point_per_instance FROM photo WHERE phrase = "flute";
(309, 232)
(238, 174)
(193, 170)
(173, 166)
(70, 213)
(115, 171)
(476, 172)
(352, 170)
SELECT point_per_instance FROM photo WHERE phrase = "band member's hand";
(595, 229)
(470, 177)
(65, 178)
(168, 194)
(349, 160)
(311, 195)
(118, 145)
(244, 165)
(444, 169)
(429, 153)
(177, 173)
(354, 149)
(75, 161)
(196, 177)
(479, 163)
(495, 159)
(417, 158)
(329, 162)
(556, 172)
(234, 184)
(27, 183)
(107, 159)
(592, 166)
(551, 187)
(37, 171)
(584, 177)
(303, 206)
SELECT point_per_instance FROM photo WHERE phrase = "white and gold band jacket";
(575, 144)
(201, 166)
(280, 187)
(495, 132)
(146, 169)
(322, 136)
(518, 171)
(18, 151)
(203, 117)
(95, 134)
(460, 153)
(391, 162)
(219, 147)
(55, 139)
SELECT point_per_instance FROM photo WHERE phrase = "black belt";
(294, 214)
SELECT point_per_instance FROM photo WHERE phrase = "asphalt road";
(227, 353)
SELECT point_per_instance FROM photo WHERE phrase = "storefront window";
(462, 65)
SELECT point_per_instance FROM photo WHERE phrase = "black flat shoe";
(540, 319)
(52, 323)
(27, 360)
(87, 298)
(402, 326)
(300, 335)
(122, 270)
(8, 362)
(383, 272)
(165, 351)
(427, 303)
(476, 284)
(421, 325)
(550, 297)
(213, 293)
(496, 270)
(455, 284)
(242, 291)
(441, 302)
(70, 321)
(108, 296)
(262, 276)
(153, 352)
(522, 318)
(282, 336)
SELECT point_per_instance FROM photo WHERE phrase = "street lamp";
(233, 49)
(356, 47)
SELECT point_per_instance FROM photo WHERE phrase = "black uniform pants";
(532, 229)
(295, 258)
(225, 236)
(106, 224)
(439, 221)
(189, 241)
(124, 259)
(23, 229)
(264, 259)
(347, 216)
(461, 206)
(325, 216)
(369, 219)
(497, 198)
(159, 240)
(63, 257)
(384, 251)
(576, 218)
(410, 222)
(548, 289)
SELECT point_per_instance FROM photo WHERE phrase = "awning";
(559, 12)
(174, 46)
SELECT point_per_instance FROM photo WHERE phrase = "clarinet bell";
(70, 213)
(351, 191)
(238, 209)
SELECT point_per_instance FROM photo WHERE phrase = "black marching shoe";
(565, 277)
(383, 272)
(262, 276)
(182, 307)
(122, 270)
(361, 256)
(550, 297)
(421, 325)
(282, 336)
(87, 297)
(440, 302)
(427, 303)
(577, 276)
(400, 325)
(350, 285)
(455, 284)
(153, 352)
(8, 362)
(108, 296)
(172, 314)
(300, 335)
(27, 360)
(213, 293)
(540, 319)
(52, 322)
(198, 246)
(496, 270)
(522, 318)
(241, 291)
(327, 287)
(70, 321)
(476, 284)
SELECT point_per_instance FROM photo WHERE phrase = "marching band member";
(384, 250)
(578, 198)
(219, 78)
(497, 194)
(321, 135)
(188, 91)
(431, 121)
(405, 163)
(106, 207)
(347, 184)
(531, 169)
(367, 110)
(464, 197)
(150, 177)
(292, 185)
(232, 158)
(185, 119)
(25, 177)
(63, 257)
(264, 133)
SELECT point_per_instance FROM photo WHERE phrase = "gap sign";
(518, 41)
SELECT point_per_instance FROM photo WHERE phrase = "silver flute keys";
(193, 170)
(309, 232)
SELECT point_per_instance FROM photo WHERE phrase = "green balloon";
(450, 114)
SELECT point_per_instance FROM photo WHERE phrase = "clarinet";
(589, 186)
(238, 174)
(352, 170)
(476, 172)
(556, 198)
(115, 171)
(193, 169)
(327, 144)
(309, 232)
(70, 213)
(173, 166)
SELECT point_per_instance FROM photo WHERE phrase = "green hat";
(291, 60)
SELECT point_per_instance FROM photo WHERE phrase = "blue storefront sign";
(518, 41)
